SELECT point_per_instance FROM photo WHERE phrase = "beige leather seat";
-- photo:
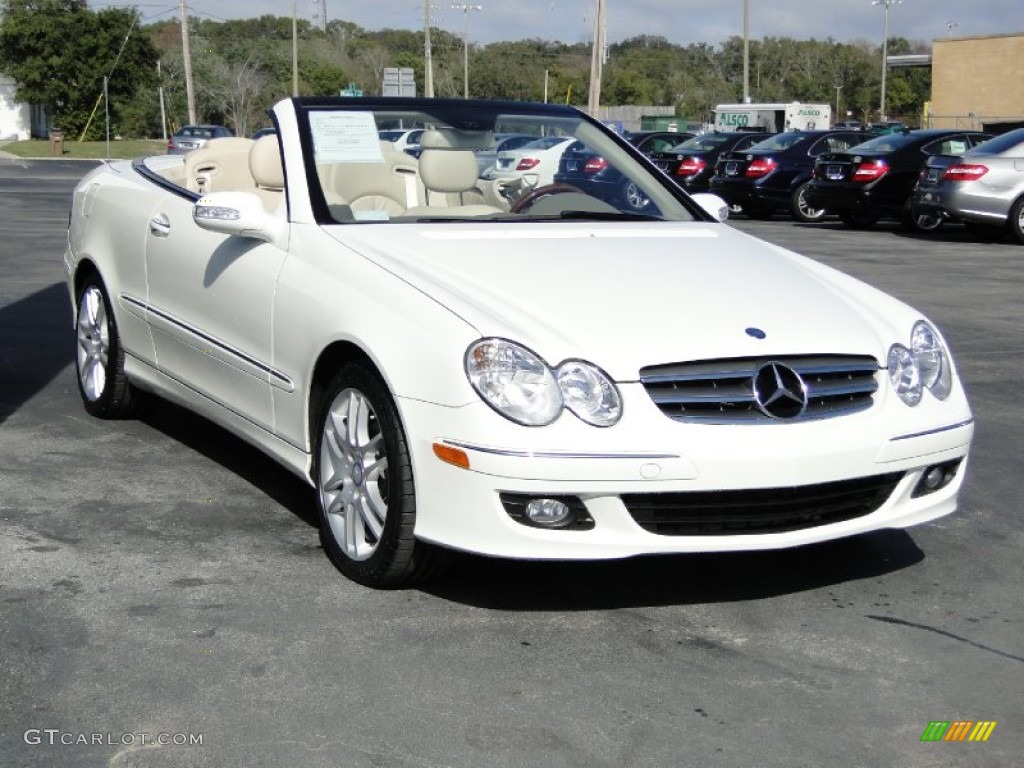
(449, 173)
(389, 186)
(220, 165)
(267, 172)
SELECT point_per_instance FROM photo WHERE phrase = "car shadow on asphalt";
(237, 456)
(37, 345)
(672, 579)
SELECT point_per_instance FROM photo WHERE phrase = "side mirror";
(712, 204)
(242, 214)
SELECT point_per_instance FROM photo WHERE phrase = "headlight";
(589, 393)
(924, 365)
(520, 386)
(513, 381)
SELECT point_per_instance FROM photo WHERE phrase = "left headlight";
(519, 385)
(924, 364)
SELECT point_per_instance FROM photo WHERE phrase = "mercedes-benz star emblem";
(779, 391)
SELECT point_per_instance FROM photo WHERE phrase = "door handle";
(160, 225)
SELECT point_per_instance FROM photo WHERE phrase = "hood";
(624, 296)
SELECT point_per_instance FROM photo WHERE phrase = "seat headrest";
(265, 163)
(452, 138)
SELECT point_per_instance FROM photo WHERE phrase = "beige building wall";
(977, 80)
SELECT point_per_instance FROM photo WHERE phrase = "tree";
(58, 51)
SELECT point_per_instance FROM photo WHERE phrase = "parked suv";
(773, 174)
(875, 179)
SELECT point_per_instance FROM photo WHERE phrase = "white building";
(19, 121)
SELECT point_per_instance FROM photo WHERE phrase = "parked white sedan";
(547, 377)
(536, 163)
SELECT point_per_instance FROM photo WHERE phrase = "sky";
(680, 21)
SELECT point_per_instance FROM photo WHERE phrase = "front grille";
(761, 510)
(722, 392)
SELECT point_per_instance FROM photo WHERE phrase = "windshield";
(781, 141)
(887, 143)
(359, 176)
(703, 143)
(1011, 143)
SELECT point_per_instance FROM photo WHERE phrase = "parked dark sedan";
(691, 164)
(190, 137)
(875, 179)
(773, 174)
(586, 170)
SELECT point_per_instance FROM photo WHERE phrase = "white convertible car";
(518, 372)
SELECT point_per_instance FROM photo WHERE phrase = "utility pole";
(597, 60)
(163, 112)
(295, 51)
(746, 51)
(428, 61)
(465, 8)
(186, 54)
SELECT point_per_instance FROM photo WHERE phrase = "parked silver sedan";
(984, 188)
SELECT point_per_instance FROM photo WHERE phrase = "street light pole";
(746, 51)
(465, 8)
(885, 50)
(837, 117)
(428, 60)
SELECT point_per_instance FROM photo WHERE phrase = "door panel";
(210, 304)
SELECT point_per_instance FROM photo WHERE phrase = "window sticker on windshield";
(345, 137)
(956, 148)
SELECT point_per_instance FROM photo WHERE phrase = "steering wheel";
(530, 198)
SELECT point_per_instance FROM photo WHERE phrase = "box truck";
(772, 117)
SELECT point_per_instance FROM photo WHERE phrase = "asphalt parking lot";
(161, 577)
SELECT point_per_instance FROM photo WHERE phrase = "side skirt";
(150, 379)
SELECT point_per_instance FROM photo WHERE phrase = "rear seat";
(220, 165)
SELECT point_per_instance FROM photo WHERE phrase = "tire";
(858, 220)
(1016, 221)
(365, 490)
(634, 198)
(99, 359)
(801, 210)
(921, 222)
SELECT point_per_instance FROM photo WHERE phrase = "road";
(161, 577)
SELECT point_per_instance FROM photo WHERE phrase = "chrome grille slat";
(721, 391)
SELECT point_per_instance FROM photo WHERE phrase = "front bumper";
(462, 508)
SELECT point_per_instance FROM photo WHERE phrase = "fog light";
(547, 511)
(564, 513)
(936, 477)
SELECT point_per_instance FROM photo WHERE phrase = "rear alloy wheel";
(99, 360)
(919, 221)
(363, 474)
(858, 220)
(634, 197)
(1016, 221)
(801, 209)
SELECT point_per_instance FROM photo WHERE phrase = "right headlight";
(519, 385)
(925, 364)
(513, 381)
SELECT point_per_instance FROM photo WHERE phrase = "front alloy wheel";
(99, 362)
(364, 484)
